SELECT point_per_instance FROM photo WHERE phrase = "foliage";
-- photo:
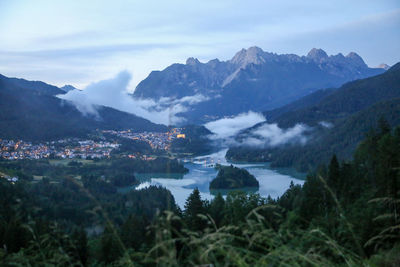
(342, 139)
(230, 177)
(348, 113)
(345, 214)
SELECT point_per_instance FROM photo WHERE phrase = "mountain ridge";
(33, 112)
(339, 118)
(252, 80)
(360, 94)
(38, 86)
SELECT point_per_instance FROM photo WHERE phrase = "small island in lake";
(230, 177)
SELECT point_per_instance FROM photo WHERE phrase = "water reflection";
(201, 172)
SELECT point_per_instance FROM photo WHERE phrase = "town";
(161, 141)
(65, 148)
(85, 149)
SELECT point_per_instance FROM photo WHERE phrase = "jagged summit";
(353, 55)
(252, 80)
(192, 61)
(255, 50)
(214, 62)
(352, 59)
(356, 60)
(253, 55)
(317, 54)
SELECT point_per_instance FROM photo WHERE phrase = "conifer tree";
(111, 248)
(194, 206)
(383, 126)
(133, 231)
(81, 245)
(334, 174)
(217, 209)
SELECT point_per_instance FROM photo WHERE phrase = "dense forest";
(322, 142)
(230, 177)
(345, 214)
(336, 121)
(332, 104)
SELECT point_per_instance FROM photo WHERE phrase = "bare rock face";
(192, 61)
(253, 55)
(356, 60)
(252, 80)
(317, 55)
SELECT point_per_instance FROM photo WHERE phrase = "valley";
(263, 154)
(200, 133)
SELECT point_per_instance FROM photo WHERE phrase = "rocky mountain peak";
(192, 61)
(253, 55)
(317, 54)
(213, 63)
(252, 80)
(356, 59)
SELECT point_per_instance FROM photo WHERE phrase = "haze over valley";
(213, 133)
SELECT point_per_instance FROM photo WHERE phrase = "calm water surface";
(201, 172)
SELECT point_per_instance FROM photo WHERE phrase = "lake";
(201, 172)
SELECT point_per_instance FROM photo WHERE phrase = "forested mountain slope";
(347, 113)
(34, 113)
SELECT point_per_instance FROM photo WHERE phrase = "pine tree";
(313, 202)
(133, 231)
(194, 206)
(334, 174)
(384, 126)
(217, 209)
(386, 169)
(81, 245)
(111, 248)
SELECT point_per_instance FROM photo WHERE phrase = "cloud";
(271, 135)
(88, 52)
(149, 35)
(113, 93)
(225, 132)
(186, 100)
(326, 124)
(227, 128)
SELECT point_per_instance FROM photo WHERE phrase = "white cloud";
(113, 93)
(227, 128)
(326, 124)
(271, 135)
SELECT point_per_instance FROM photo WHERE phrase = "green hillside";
(352, 110)
(230, 177)
(32, 114)
(348, 99)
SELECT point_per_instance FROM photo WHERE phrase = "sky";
(80, 42)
